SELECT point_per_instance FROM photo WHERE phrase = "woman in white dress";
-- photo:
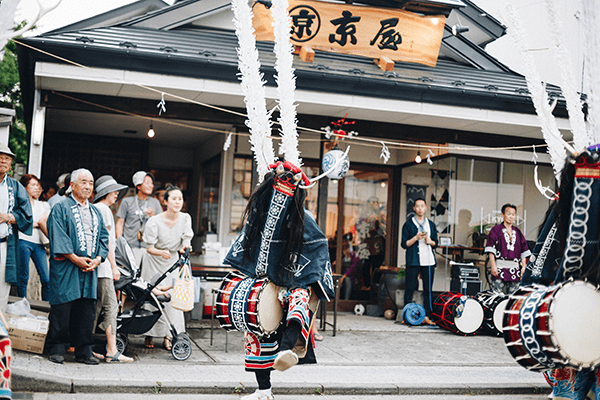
(166, 234)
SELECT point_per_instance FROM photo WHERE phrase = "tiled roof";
(211, 54)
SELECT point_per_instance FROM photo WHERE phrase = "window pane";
(485, 171)
(512, 173)
(242, 189)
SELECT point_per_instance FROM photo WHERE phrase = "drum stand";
(213, 309)
(323, 307)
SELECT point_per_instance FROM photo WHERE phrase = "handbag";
(183, 290)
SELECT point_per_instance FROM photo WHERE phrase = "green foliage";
(10, 97)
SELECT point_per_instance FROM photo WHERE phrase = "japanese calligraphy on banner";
(365, 31)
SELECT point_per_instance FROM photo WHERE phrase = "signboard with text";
(365, 31)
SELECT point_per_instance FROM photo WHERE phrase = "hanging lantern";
(329, 161)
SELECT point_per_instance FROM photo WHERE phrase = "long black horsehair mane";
(255, 217)
(592, 271)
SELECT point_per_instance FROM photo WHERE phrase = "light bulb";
(151, 132)
(418, 158)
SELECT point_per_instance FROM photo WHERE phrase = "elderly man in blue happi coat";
(78, 244)
(15, 216)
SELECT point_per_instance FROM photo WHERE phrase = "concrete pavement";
(368, 356)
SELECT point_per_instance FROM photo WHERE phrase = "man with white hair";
(78, 244)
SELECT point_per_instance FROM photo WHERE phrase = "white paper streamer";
(7, 19)
(591, 17)
(227, 143)
(385, 153)
(539, 96)
(581, 138)
(286, 81)
(7, 22)
(252, 82)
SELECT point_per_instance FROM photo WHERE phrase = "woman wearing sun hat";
(108, 192)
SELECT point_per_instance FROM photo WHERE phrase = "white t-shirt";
(104, 269)
(426, 256)
(40, 208)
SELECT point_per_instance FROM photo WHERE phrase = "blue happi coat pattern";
(311, 268)
(65, 231)
(20, 207)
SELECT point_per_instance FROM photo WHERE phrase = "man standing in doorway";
(135, 211)
(419, 238)
(15, 215)
(78, 244)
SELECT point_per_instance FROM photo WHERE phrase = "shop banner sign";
(365, 31)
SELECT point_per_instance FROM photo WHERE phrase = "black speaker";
(469, 287)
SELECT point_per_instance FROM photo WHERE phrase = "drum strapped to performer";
(249, 305)
(540, 324)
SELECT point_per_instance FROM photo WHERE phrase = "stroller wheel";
(182, 347)
(122, 342)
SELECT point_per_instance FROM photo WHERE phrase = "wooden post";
(307, 54)
(384, 63)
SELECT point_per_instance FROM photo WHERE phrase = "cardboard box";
(28, 334)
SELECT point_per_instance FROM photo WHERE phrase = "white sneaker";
(259, 395)
(285, 360)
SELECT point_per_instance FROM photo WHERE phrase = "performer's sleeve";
(22, 212)
(151, 232)
(60, 242)
(490, 244)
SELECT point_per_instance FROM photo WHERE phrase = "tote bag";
(183, 290)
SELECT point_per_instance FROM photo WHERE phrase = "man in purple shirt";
(507, 248)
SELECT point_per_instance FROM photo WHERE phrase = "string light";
(418, 158)
(151, 132)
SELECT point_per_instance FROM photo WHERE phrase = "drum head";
(575, 323)
(499, 314)
(269, 308)
(471, 319)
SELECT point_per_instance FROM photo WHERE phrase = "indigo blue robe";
(19, 206)
(65, 230)
(312, 268)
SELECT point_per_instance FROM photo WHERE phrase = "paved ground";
(368, 356)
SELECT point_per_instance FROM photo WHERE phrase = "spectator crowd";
(69, 234)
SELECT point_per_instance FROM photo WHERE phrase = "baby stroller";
(138, 319)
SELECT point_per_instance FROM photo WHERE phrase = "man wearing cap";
(108, 192)
(78, 244)
(15, 215)
(135, 211)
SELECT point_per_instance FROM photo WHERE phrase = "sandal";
(167, 343)
(148, 343)
(118, 358)
(318, 337)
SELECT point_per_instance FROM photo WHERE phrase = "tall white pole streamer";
(253, 88)
(539, 96)
(286, 81)
(591, 19)
(581, 138)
